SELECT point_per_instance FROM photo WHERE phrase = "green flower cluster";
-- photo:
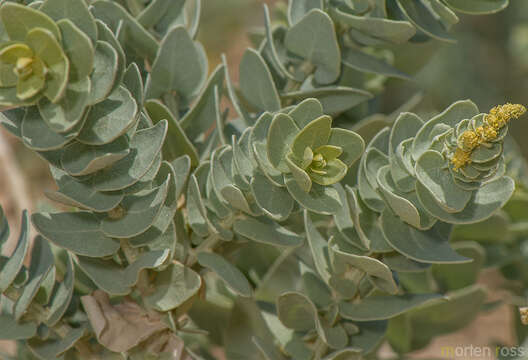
(310, 150)
(34, 56)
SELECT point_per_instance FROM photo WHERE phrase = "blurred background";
(488, 64)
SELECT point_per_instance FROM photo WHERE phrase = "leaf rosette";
(303, 148)
(310, 150)
(67, 69)
(35, 59)
(448, 168)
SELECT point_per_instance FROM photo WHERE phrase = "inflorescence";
(497, 118)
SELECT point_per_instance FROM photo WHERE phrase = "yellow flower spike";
(501, 114)
(470, 140)
(490, 133)
(495, 121)
(498, 117)
(486, 133)
(460, 159)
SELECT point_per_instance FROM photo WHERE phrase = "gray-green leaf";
(314, 39)
(232, 276)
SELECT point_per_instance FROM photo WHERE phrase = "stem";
(275, 266)
(293, 85)
(319, 349)
(207, 244)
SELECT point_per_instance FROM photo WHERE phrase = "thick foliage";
(275, 233)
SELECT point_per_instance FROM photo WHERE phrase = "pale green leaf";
(201, 116)
(453, 277)
(296, 311)
(145, 147)
(18, 20)
(320, 199)
(136, 37)
(439, 183)
(47, 48)
(275, 201)
(256, 82)
(30, 86)
(306, 111)
(301, 177)
(281, 133)
(110, 118)
(139, 212)
(8, 97)
(152, 14)
(78, 232)
(176, 67)
(133, 81)
(41, 265)
(70, 111)
(350, 142)
(317, 290)
(334, 336)
(406, 206)
(104, 75)
(319, 248)
(78, 48)
(12, 266)
(456, 112)
(177, 143)
(313, 135)
(371, 266)
(385, 307)
(81, 159)
(38, 136)
(74, 193)
(298, 8)
(62, 295)
(335, 171)
(196, 212)
(478, 7)
(431, 246)
(75, 11)
(229, 273)
(173, 287)
(395, 31)
(107, 35)
(483, 203)
(424, 19)
(448, 316)
(405, 126)
(314, 39)
(235, 198)
(364, 62)
(266, 231)
(401, 263)
(116, 280)
(334, 99)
